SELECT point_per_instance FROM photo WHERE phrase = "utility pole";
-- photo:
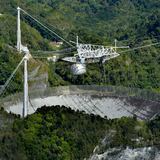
(18, 30)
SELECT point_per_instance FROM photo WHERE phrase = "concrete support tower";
(25, 92)
(18, 30)
(20, 48)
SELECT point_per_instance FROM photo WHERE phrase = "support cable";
(60, 52)
(84, 108)
(11, 76)
(95, 107)
(146, 46)
(31, 104)
(46, 27)
(68, 105)
(141, 39)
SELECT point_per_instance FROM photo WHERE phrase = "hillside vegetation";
(60, 133)
(131, 22)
